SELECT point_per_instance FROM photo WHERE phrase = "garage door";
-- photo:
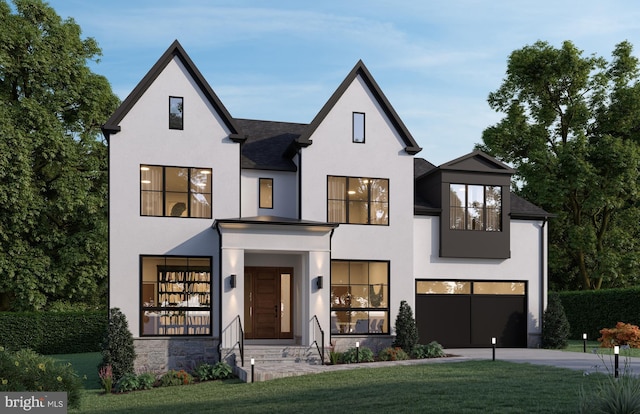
(461, 314)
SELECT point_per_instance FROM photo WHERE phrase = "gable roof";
(175, 50)
(267, 143)
(360, 70)
(477, 161)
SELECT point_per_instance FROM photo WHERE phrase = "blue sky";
(436, 60)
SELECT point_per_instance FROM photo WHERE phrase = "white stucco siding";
(382, 155)
(145, 138)
(523, 265)
(285, 190)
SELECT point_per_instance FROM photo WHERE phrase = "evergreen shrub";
(117, 346)
(406, 330)
(555, 326)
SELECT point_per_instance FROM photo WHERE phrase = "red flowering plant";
(622, 334)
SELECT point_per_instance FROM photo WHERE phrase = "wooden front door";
(268, 302)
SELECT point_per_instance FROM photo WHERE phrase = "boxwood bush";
(589, 311)
(53, 332)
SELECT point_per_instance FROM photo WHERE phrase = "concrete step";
(273, 361)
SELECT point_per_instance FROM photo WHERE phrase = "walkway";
(585, 362)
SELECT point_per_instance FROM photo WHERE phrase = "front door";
(268, 300)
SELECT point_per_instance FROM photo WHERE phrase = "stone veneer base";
(158, 355)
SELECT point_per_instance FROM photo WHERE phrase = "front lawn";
(577, 345)
(456, 387)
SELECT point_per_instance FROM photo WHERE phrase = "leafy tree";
(572, 130)
(53, 180)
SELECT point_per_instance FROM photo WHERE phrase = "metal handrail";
(240, 340)
(320, 351)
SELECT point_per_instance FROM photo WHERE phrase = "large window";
(357, 200)
(175, 191)
(359, 297)
(475, 207)
(175, 295)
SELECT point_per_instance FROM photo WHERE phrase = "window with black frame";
(475, 207)
(176, 112)
(359, 297)
(175, 296)
(175, 191)
(358, 200)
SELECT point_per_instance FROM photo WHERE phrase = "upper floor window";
(266, 193)
(358, 200)
(475, 207)
(358, 127)
(175, 191)
(176, 108)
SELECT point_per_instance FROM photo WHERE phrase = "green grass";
(456, 387)
(86, 365)
(577, 345)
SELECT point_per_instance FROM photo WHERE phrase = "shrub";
(355, 355)
(555, 326)
(128, 382)
(335, 357)
(26, 370)
(622, 334)
(173, 377)
(146, 381)
(105, 373)
(612, 395)
(117, 346)
(208, 372)
(392, 354)
(431, 350)
(406, 330)
(53, 332)
(589, 311)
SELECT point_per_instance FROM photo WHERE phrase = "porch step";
(273, 361)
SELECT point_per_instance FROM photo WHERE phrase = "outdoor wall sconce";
(319, 282)
(232, 281)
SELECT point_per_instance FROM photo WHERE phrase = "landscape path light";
(493, 347)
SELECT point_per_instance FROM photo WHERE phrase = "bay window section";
(475, 207)
(175, 191)
(358, 200)
(175, 296)
(359, 297)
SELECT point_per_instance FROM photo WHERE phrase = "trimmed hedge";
(588, 311)
(53, 332)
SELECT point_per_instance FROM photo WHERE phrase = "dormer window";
(475, 207)
(176, 108)
(358, 127)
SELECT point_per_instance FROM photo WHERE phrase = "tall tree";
(53, 167)
(572, 130)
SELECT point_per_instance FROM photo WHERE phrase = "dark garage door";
(461, 314)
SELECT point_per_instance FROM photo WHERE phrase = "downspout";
(542, 272)
(221, 287)
(299, 183)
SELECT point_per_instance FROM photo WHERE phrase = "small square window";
(358, 127)
(176, 108)
(266, 193)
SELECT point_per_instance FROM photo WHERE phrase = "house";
(224, 230)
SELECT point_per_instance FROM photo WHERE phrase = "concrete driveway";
(589, 362)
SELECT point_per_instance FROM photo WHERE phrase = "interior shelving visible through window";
(175, 295)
